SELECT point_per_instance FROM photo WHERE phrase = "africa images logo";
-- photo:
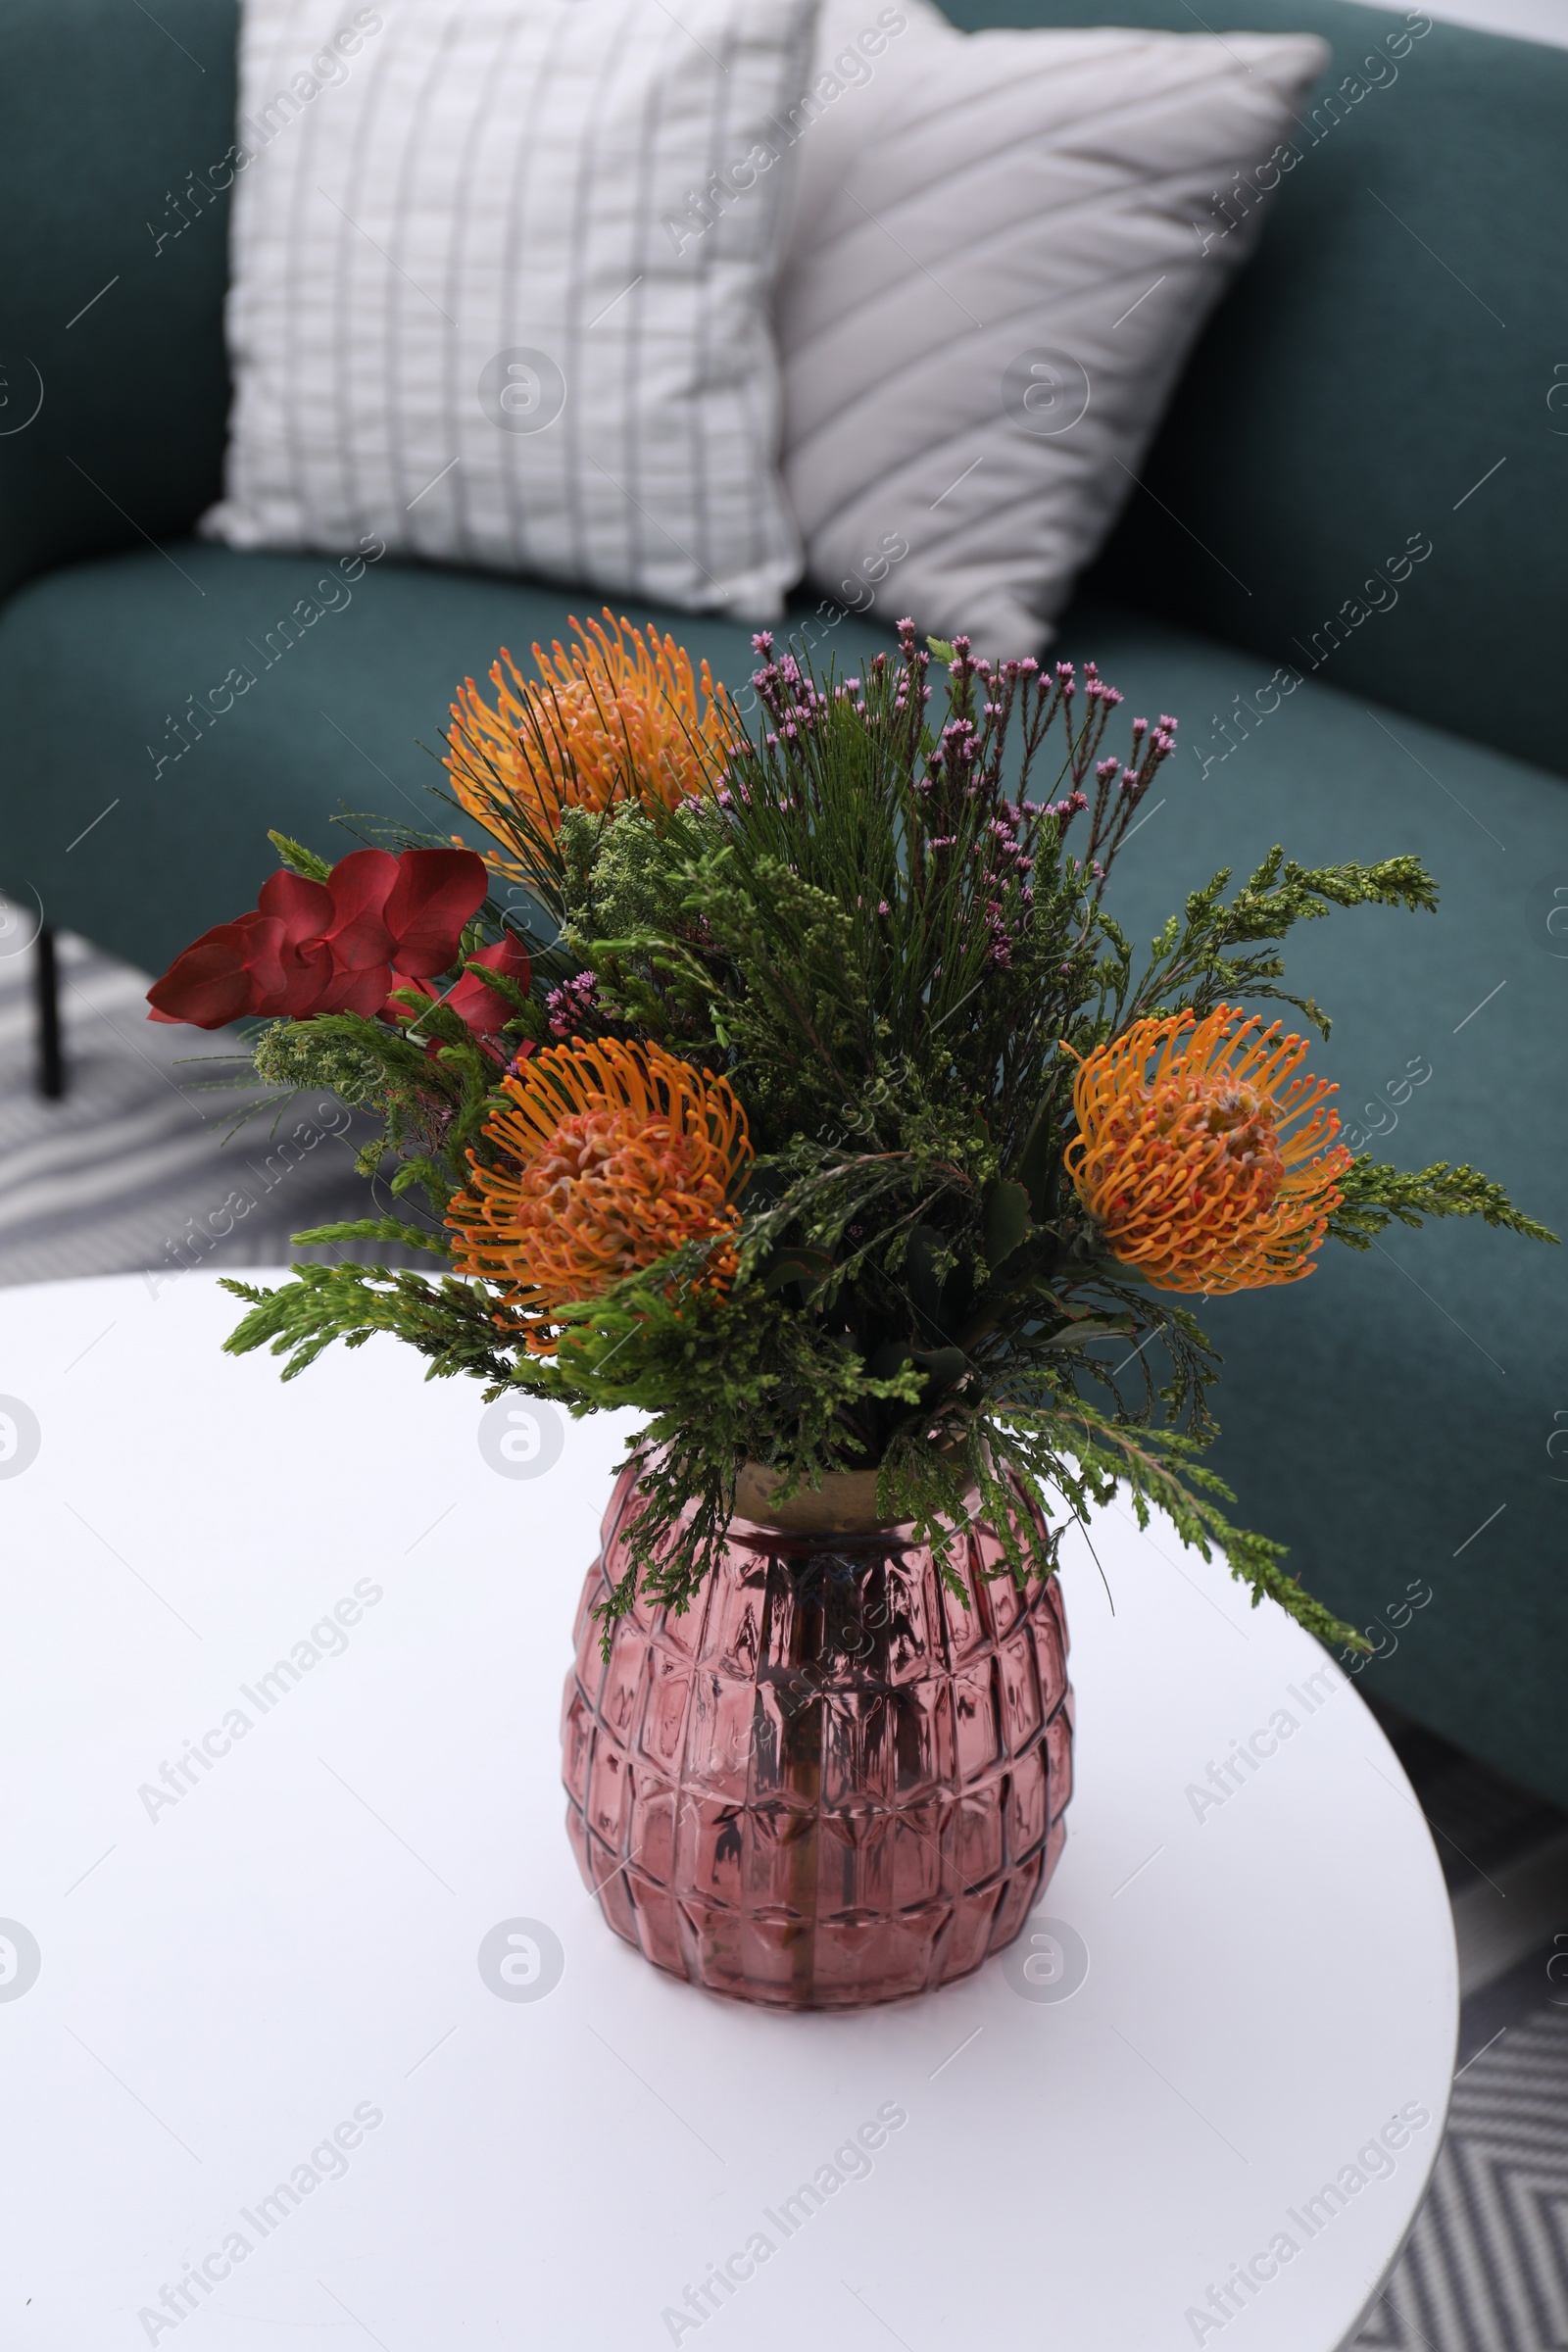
(1375, 2162)
(19, 1437)
(850, 2162)
(20, 1960)
(327, 2161)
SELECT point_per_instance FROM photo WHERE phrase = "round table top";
(306, 2019)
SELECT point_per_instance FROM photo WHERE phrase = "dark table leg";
(46, 978)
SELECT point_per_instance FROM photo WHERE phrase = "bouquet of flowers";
(796, 1085)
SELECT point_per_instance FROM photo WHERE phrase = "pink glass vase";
(830, 1783)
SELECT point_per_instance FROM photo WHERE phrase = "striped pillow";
(499, 289)
(1004, 244)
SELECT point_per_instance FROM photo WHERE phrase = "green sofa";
(1390, 375)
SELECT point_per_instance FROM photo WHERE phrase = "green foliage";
(451, 1322)
(1159, 1470)
(1192, 963)
(893, 951)
(1375, 1195)
(724, 1380)
(298, 1057)
(635, 880)
(299, 860)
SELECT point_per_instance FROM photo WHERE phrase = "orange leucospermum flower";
(1183, 1157)
(620, 1152)
(617, 718)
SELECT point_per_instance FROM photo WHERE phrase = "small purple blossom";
(567, 1007)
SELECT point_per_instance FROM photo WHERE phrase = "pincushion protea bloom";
(623, 1152)
(1183, 1159)
(619, 717)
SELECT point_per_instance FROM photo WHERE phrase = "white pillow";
(487, 301)
(1004, 244)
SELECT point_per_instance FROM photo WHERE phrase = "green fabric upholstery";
(323, 716)
(98, 659)
(1379, 1413)
(107, 119)
(1367, 370)
(1376, 1414)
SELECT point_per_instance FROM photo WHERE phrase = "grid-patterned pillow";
(500, 282)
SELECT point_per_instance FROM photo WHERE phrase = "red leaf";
(361, 887)
(231, 971)
(438, 892)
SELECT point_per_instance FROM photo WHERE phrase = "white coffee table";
(259, 1970)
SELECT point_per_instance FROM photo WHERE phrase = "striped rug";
(132, 1171)
(1486, 2268)
(136, 1169)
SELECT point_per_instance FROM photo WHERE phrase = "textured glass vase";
(829, 1782)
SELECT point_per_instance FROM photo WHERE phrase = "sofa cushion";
(992, 287)
(1376, 1416)
(1353, 391)
(321, 679)
(1391, 362)
(477, 308)
(1391, 1417)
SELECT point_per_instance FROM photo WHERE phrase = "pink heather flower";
(568, 1005)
